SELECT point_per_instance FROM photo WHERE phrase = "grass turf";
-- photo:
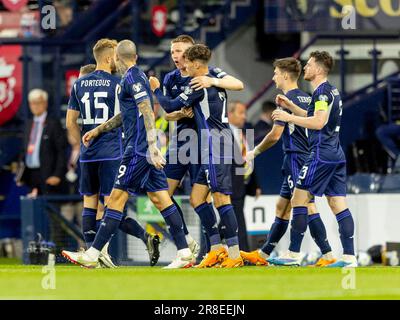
(72, 282)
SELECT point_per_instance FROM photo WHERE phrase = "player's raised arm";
(269, 140)
(185, 99)
(316, 122)
(228, 82)
(283, 101)
(180, 114)
(221, 80)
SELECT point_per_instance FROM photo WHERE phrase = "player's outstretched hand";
(281, 115)
(188, 112)
(201, 82)
(89, 136)
(282, 101)
(154, 83)
(156, 157)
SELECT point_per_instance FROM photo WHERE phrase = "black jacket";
(239, 187)
(53, 148)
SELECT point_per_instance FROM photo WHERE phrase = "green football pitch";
(72, 282)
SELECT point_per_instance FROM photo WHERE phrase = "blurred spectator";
(43, 159)
(64, 12)
(245, 182)
(264, 125)
(389, 136)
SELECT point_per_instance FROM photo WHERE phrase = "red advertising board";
(159, 20)
(10, 82)
(70, 78)
(15, 5)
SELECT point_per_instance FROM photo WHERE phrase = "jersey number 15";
(98, 105)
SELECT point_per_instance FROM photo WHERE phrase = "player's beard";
(121, 67)
(113, 67)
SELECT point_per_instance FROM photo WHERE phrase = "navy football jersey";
(174, 84)
(294, 138)
(210, 109)
(135, 88)
(95, 96)
(325, 142)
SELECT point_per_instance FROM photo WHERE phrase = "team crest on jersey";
(188, 90)
(137, 87)
(322, 97)
(217, 70)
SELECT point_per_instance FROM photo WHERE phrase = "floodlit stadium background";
(43, 44)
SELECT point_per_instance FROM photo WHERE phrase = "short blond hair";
(183, 38)
(86, 69)
(36, 94)
(102, 46)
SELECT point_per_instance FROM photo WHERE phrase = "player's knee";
(221, 199)
(284, 214)
(90, 201)
(298, 202)
(195, 201)
(117, 200)
(337, 204)
(281, 207)
(155, 200)
(312, 209)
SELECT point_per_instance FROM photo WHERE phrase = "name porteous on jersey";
(96, 83)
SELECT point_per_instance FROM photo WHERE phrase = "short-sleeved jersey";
(135, 88)
(210, 110)
(325, 142)
(294, 138)
(95, 97)
(174, 84)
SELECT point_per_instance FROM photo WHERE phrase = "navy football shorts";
(321, 177)
(177, 171)
(218, 177)
(292, 164)
(97, 177)
(136, 175)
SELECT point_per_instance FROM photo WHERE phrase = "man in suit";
(244, 181)
(264, 125)
(43, 157)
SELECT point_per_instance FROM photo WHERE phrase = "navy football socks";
(346, 231)
(318, 233)
(278, 229)
(132, 227)
(89, 225)
(175, 225)
(109, 225)
(209, 222)
(298, 228)
(185, 230)
(229, 224)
